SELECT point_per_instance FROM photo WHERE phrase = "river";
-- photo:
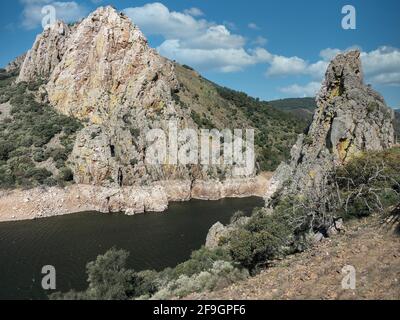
(155, 241)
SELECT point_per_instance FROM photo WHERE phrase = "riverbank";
(44, 202)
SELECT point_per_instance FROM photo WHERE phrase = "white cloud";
(260, 41)
(32, 16)
(216, 37)
(195, 12)
(381, 67)
(196, 42)
(156, 19)
(253, 26)
(219, 59)
(308, 90)
(283, 66)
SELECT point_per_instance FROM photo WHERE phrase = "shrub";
(370, 183)
(108, 279)
(25, 135)
(263, 239)
(200, 260)
(220, 275)
(66, 174)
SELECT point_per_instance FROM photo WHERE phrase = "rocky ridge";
(351, 118)
(46, 53)
(103, 72)
(15, 65)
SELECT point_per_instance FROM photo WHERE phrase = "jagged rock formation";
(108, 63)
(350, 118)
(15, 65)
(110, 78)
(46, 53)
(102, 72)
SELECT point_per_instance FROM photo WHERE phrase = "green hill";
(302, 108)
(218, 107)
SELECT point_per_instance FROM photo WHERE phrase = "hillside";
(302, 108)
(213, 106)
(317, 272)
(397, 124)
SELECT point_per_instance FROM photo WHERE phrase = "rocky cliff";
(16, 64)
(103, 72)
(110, 78)
(350, 118)
(46, 53)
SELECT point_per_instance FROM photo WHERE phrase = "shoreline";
(45, 202)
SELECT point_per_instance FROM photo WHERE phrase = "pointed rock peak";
(59, 27)
(46, 53)
(105, 11)
(108, 63)
(345, 72)
(351, 118)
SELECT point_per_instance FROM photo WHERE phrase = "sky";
(268, 49)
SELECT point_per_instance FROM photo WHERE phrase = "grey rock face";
(46, 53)
(350, 118)
(16, 64)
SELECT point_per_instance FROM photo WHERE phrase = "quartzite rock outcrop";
(350, 118)
(46, 53)
(15, 65)
(103, 72)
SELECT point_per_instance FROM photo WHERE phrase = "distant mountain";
(302, 108)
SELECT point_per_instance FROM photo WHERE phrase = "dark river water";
(155, 241)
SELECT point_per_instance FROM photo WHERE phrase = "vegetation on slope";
(35, 141)
(217, 107)
(303, 108)
(366, 185)
(397, 124)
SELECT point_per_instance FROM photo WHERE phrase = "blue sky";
(269, 49)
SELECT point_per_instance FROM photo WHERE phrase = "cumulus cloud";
(381, 67)
(157, 19)
(32, 16)
(195, 41)
(219, 59)
(289, 66)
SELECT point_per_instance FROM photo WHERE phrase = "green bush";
(200, 260)
(25, 134)
(370, 183)
(108, 279)
(66, 174)
(263, 239)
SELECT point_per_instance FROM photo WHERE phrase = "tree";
(108, 277)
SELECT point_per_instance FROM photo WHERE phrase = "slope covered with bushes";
(35, 140)
(368, 184)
